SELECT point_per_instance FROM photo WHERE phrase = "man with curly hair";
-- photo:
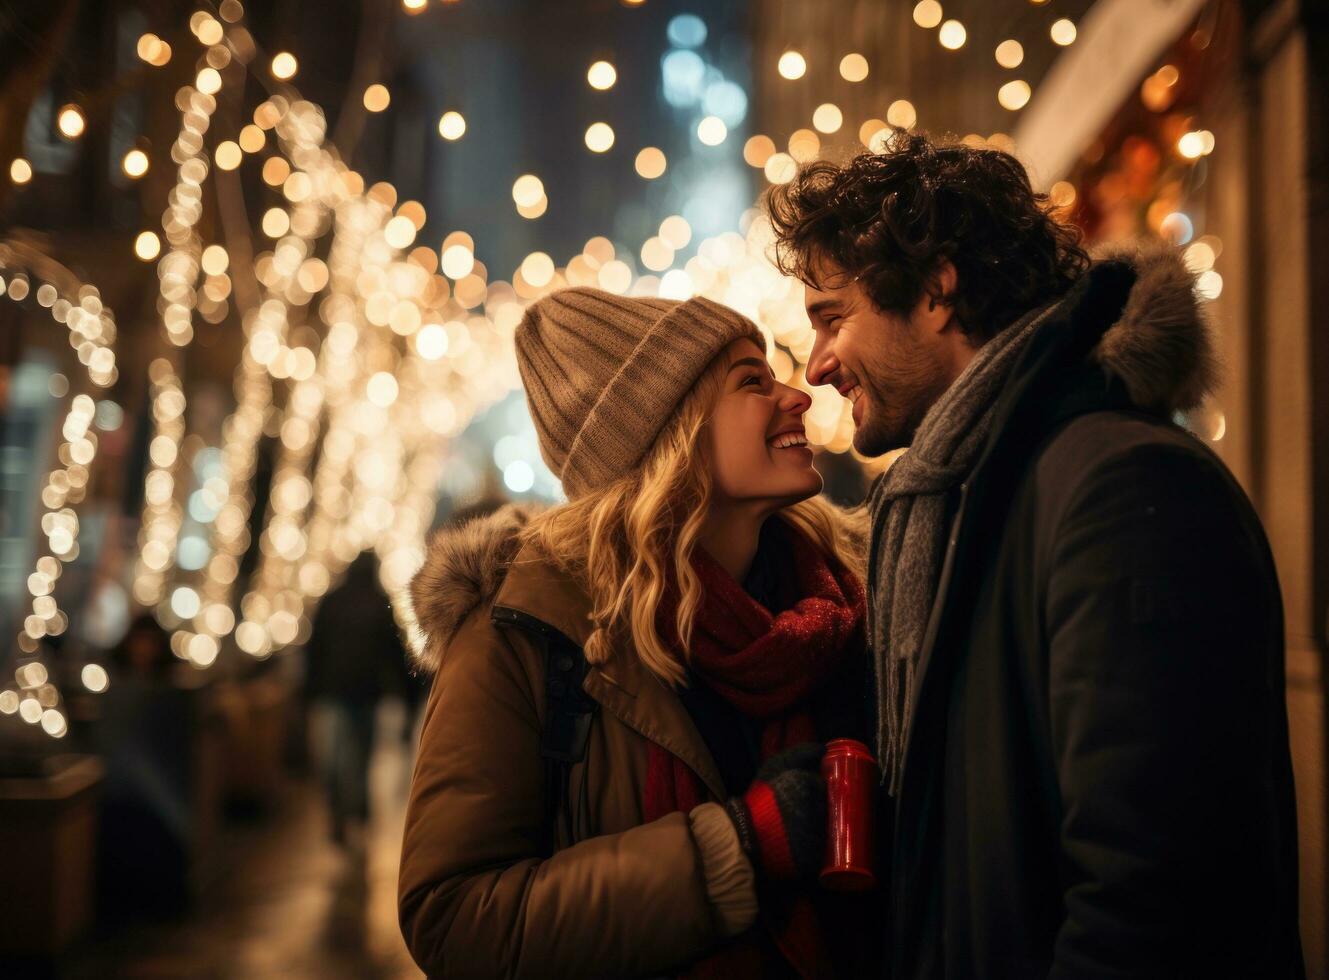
(1075, 618)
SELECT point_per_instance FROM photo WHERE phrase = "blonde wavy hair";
(624, 542)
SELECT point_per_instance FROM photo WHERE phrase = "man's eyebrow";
(821, 305)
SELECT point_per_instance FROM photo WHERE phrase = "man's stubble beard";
(889, 427)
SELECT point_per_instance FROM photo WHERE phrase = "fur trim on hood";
(1162, 348)
(464, 567)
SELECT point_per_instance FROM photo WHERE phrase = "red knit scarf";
(767, 666)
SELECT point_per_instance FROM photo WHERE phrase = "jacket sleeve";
(475, 899)
(1165, 684)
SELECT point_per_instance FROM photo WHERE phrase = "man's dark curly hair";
(891, 218)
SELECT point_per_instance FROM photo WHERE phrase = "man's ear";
(933, 311)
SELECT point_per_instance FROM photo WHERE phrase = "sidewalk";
(290, 905)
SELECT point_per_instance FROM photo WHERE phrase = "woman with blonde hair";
(618, 773)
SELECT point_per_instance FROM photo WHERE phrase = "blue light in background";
(686, 31)
(716, 199)
(726, 100)
(684, 74)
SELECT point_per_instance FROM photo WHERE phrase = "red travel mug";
(851, 789)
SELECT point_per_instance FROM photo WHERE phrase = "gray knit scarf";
(909, 532)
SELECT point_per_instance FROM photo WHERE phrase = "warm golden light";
(869, 130)
(284, 65)
(902, 114)
(1010, 53)
(533, 211)
(153, 50)
(757, 150)
(712, 131)
(792, 65)
(527, 190)
(457, 262)
(827, 118)
(804, 145)
(1062, 194)
(927, 13)
(214, 260)
(853, 68)
(276, 222)
(650, 162)
(952, 35)
(228, 155)
(20, 171)
(399, 232)
(71, 122)
(675, 231)
(537, 269)
(1196, 144)
(599, 137)
(414, 6)
(601, 75)
(208, 81)
(135, 164)
(1063, 32)
(780, 168)
(452, 125)
(147, 246)
(382, 389)
(1014, 95)
(377, 97)
(94, 678)
(252, 138)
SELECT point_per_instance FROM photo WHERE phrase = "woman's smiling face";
(756, 445)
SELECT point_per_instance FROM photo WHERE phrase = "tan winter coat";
(619, 897)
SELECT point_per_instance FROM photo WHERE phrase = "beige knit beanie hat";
(603, 373)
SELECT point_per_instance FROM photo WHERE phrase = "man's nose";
(822, 364)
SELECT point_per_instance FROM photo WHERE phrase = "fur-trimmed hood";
(464, 567)
(1160, 347)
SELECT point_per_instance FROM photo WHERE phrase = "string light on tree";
(20, 171)
(284, 65)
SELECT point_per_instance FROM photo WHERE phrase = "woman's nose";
(795, 401)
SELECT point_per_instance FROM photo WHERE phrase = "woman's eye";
(751, 379)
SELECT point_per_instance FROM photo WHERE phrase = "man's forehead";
(830, 282)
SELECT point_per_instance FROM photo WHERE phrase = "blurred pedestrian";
(354, 660)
